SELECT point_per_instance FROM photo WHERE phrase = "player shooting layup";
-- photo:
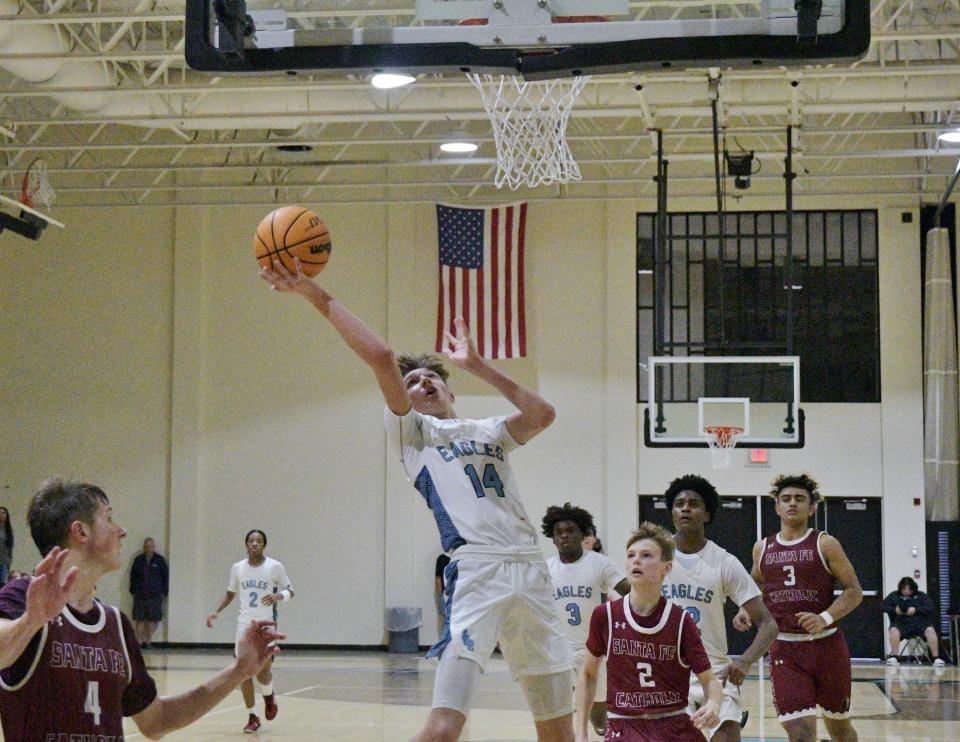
(498, 586)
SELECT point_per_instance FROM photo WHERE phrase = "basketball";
(293, 232)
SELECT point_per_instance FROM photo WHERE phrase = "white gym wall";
(141, 352)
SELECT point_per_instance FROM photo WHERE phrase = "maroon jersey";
(795, 579)
(77, 679)
(649, 658)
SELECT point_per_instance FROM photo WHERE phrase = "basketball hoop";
(722, 439)
(35, 186)
(530, 128)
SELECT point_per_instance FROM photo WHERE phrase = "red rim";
(724, 434)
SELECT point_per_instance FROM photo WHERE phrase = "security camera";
(740, 166)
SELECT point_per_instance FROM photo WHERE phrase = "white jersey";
(577, 587)
(251, 584)
(462, 470)
(700, 584)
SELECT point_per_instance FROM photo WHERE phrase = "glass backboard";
(533, 38)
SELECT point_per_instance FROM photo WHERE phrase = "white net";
(530, 128)
(722, 439)
(36, 187)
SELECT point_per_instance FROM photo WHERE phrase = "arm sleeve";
(610, 574)
(737, 582)
(141, 691)
(233, 586)
(691, 646)
(924, 606)
(597, 638)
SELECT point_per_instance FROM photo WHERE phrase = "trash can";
(403, 626)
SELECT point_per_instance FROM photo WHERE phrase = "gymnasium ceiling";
(145, 129)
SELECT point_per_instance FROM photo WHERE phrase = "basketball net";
(35, 187)
(722, 439)
(530, 128)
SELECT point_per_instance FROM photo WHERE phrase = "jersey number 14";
(491, 480)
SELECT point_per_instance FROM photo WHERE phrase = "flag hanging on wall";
(481, 276)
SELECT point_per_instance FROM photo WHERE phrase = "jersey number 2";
(645, 671)
(92, 703)
(253, 600)
(491, 480)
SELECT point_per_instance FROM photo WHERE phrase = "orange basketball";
(293, 232)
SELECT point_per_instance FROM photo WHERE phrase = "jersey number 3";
(491, 480)
(91, 704)
(574, 610)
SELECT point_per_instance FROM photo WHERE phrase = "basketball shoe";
(270, 706)
(253, 724)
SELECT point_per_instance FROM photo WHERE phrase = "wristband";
(828, 619)
(285, 595)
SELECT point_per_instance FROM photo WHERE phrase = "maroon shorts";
(676, 728)
(808, 674)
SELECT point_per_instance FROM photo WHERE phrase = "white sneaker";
(939, 663)
(892, 661)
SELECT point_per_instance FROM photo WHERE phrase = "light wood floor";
(378, 697)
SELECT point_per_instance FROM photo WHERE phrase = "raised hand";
(462, 351)
(256, 646)
(50, 587)
(281, 279)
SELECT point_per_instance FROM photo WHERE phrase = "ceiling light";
(458, 147)
(385, 81)
(949, 137)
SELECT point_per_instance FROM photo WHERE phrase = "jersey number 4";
(491, 480)
(91, 704)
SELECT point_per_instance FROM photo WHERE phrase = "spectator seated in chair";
(911, 616)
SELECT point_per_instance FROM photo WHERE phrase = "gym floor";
(368, 696)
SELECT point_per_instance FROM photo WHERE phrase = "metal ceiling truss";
(188, 138)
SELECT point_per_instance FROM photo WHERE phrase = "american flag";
(481, 276)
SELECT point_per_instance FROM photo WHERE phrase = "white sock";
(267, 690)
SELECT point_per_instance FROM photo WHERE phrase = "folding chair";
(917, 649)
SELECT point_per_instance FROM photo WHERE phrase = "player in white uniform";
(497, 584)
(261, 583)
(703, 578)
(580, 580)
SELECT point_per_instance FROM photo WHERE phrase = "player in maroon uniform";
(797, 569)
(71, 666)
(651, 645)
